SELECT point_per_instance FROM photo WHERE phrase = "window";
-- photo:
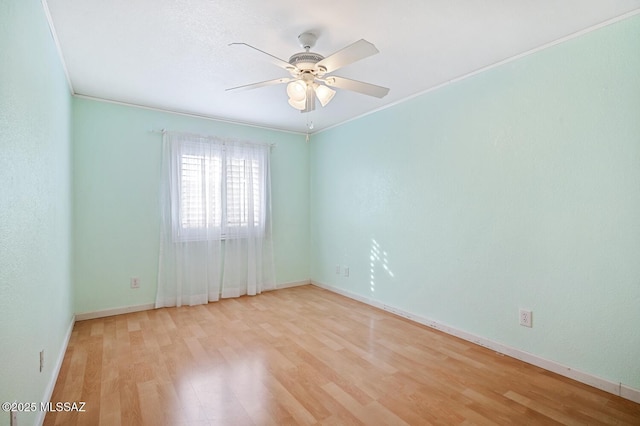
(243, 192)
(220, 190)
(215, 234)
(200, 207)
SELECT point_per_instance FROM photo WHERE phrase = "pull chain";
(309, 125)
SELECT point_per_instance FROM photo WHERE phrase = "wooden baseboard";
(115, 311)
(619, 389)
(56, 371)
(292, 284)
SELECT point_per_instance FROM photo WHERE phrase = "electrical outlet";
(135, 282)
(338, 269)
(41, 360)
(526, 318)
(346, 271)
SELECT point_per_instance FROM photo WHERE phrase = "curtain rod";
(163, 131)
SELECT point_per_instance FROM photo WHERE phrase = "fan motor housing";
(305, 60)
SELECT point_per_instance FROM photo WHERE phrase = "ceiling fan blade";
(354, 52)
(261, 84)
(357, 86)
(274, 59)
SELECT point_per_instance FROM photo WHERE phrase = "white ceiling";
(174, 54)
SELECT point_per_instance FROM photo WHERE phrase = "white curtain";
(215, 238)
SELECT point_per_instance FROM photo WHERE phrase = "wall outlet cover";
(526, 318)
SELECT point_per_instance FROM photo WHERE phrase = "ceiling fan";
(309, 73)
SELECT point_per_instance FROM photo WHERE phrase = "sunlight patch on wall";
(377, 258)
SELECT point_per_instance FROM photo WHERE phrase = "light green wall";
(116, 188)
(517, 187)
(35, 205)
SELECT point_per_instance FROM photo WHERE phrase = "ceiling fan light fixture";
(299, 105)
(297, 90)
(310, 101)
(324, 94)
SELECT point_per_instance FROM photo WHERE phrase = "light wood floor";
(306, 356)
